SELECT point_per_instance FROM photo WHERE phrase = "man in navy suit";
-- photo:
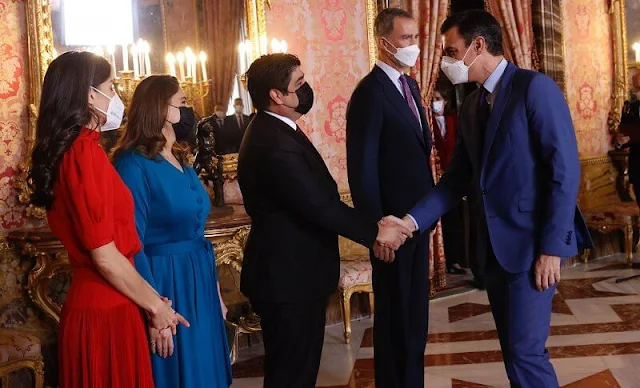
(517, 148)
(388, 151)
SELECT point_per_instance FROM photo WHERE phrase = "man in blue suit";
(517, 148)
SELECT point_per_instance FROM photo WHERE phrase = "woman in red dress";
(102, 340)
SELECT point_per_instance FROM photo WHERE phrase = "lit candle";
(112, 54)
(275, 45)
(188, 55)
(125, 58)
(636, 48)
(203, 65)
(242, 56)
(193, 61)
(248, 54)
(147, 59)
(180, 58)
(263, 45)
(135, 56)
(283, 46)
(171, 64)
(140, 45)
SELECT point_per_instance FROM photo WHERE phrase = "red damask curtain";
(222, 22)
(430, 15)
(514, 17)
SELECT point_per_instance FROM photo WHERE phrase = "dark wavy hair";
(64, 110)
(146, 118)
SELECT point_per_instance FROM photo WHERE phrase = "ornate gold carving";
(620, 81)
(229, 166)
(345, 301)
(230, 251)
(371, 11)
(36, 365)
(47, 267)
(40, 51)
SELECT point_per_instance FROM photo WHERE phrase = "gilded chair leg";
(4, 381)
(628, 244)
(371, 303)
(38, 374)
(346, 314)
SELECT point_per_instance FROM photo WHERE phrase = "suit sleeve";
(135, 179)
(364, 128)
(290, 177)
(453, 185)
(552, 131)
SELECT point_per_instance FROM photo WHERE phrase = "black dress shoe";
(456, 271)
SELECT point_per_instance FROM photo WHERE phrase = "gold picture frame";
(620, 62)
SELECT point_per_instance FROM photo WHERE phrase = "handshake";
(392, 233)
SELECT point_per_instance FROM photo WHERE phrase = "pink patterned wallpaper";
(13, 108)
(589, 72)
(331, 43)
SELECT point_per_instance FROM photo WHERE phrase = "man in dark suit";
(230, 137)
(388, 152)
(444, 139)
(630, 123)
(517, 148)
(291, 261)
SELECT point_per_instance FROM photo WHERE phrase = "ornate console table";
(48, 279)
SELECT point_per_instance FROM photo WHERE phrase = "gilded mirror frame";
(40, 55)
(620, 62)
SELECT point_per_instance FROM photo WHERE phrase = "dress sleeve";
(133, 175)
(86, 177)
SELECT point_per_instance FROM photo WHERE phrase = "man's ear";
(276, 96)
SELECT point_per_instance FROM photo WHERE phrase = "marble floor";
(594, 339)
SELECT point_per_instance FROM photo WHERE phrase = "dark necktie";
(240, 123)
(409, 97)
(483, 119)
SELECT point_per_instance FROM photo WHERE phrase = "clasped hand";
(163, 326)
(392, 233)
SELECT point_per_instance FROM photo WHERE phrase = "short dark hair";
(384, 21)
(268, 72)
(238, 99)
(473, 23)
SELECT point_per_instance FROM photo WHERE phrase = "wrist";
(155, 307)
(409, 223)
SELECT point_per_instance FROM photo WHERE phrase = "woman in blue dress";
(171, 207)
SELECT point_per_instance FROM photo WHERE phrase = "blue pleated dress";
(171, 208)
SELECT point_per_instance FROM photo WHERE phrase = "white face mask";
(407, 56)
(438, 106)
(456, 70)
(239, 108)
(220, 114)
(114, 112)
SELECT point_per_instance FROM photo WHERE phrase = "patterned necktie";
(408, 96)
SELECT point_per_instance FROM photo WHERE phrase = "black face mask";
(187, 123)
(305, 99)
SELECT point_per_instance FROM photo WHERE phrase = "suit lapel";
(398, 100)
(498, 110)
(310, 150)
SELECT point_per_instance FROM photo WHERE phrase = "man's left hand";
(547, 271)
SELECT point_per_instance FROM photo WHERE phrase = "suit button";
(484, 192)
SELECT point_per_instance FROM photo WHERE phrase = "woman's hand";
(164, 316)
(161, 342)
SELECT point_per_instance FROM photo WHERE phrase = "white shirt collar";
(495, 77)
(286, 120)
(389, 71)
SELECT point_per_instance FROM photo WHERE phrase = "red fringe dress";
(102, 335)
